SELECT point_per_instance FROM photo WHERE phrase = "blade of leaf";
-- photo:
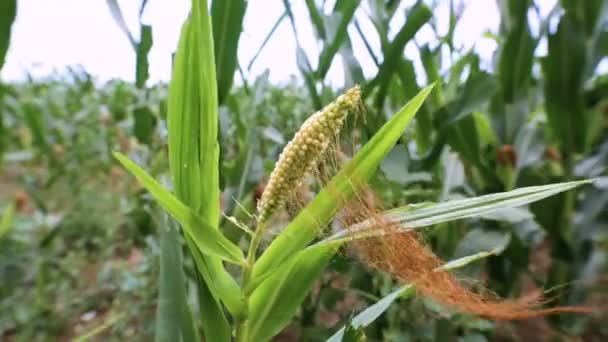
(343, 186)
(142, 51)
(346, 11)
(120, 21)
(193, 117)
(172, 315)
(410, 218)
(277, 299)
(209, 240)
(7, 219)
(215, 325)
(419, 15)
(219, 283)
(564, 77)
(227, 17)
(8, 12)
(316, 18)
(142, 8)
(302, 60)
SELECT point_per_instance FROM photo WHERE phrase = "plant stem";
(241, 321)
(569, 200)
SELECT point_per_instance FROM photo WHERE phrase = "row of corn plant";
(143, 117)
(252, 296)
(452, 100)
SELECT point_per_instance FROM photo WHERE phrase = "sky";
(48, 36)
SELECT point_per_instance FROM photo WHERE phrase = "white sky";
(48, 36)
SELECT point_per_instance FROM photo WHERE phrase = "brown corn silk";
(404, 256)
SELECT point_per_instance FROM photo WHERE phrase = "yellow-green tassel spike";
(302, 153)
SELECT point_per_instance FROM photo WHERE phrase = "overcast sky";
(48, 36)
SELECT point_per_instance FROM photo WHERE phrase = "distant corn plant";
(257, 302)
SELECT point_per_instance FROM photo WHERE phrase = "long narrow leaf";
(215, 324)
(316, 18)
(172, 315)
(227, 16)
(210, 241)
(458, 209)
(142, 65)
(120, 21)
(277, 299)
(419, 15)
(345, 9)
(194, 154)
(8, 12)
(7, 219)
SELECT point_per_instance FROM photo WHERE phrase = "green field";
(131, 210)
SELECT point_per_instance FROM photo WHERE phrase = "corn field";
(445, 197)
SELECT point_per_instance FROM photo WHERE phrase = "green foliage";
(9, 12)
(275, 300)
(227, 19)
(144, 118)
(7, 219)
(80, 239)
(194, 225)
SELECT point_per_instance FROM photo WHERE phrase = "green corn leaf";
(142, 8)
(35, 118)
(219, 282)
(476, 92)
(345, 9)
(176, 318)
(431, 69)
(7, 219)
(193, 157)
(517, 53)
(142, 51)
(419, 15)
(143, 127)
(8, 12)
(305, 227)
(371, 313)
(120, 21)
(209, 240)
(480, 206)
(227, 17)
(316, 18)
(564, 69)
(172, 316)
(308, 74)
(193, 121)
(215, 325)
(276, 300)
(302, 60)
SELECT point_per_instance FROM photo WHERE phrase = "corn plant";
(143, 116)
(252, 296)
